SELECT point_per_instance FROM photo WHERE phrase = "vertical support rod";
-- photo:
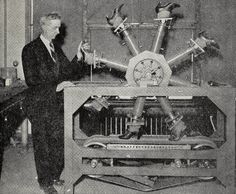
(31, 20)
(116, 126)
(151, 126)
(161, 126)
(198, 69)
(106, 128)
(192, 63)
(111, 125)
(121, 125)
(156, 126)
(85, 26)
(29, 7)
(126, 120)
(197, 16)
(5, 32)
(85, 30)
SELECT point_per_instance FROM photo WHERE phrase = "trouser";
(48, 143)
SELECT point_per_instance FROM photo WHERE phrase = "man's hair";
(51, 16)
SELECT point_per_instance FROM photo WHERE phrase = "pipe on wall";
(5, 32)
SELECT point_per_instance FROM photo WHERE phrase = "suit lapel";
(46, 57)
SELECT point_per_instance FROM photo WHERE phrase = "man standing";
(45, 65)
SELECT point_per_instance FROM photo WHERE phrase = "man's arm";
(69, 70)
(75, 69)
(29, 66)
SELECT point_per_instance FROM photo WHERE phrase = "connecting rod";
(197, 47)
(162, 26)
(112, 64)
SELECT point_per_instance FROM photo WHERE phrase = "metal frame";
(74, 97)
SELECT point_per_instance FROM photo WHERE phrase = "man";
(45, 65)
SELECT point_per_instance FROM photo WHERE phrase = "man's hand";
(64, 84)
(83, 47)
(84, 50)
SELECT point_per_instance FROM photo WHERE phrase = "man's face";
(51, 29)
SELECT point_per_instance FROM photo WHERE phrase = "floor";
(19, 177)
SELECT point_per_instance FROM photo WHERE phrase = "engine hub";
(148, 68)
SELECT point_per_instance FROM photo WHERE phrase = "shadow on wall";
(60, 38)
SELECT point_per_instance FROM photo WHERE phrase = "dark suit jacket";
(42, 75)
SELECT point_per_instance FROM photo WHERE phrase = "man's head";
(50, 25)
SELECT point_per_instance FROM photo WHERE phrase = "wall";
(218, 19)
(12, 33)
(71, 12)
(15, 32)
(2, 33)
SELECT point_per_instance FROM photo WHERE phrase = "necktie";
(54, 57)
(53, 54)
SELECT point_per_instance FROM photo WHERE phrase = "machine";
(186, 130)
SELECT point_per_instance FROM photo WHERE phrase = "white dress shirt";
(46, 43)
